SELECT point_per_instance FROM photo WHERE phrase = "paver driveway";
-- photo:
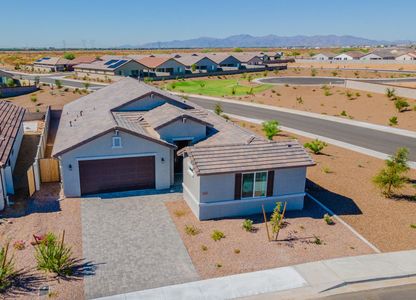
(134, 243)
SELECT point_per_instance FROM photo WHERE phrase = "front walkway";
(295, 282)
(134, 243)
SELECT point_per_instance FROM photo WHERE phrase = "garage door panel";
(119, 174)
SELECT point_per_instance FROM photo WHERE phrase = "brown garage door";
(120, 174)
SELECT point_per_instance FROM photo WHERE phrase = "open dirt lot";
(241, 251)
(342, 180)
(343, 65)
(44, 213)
(39, 100)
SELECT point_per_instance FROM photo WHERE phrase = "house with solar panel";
(133, 136)
(104, 69)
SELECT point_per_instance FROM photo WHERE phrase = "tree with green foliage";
(271, 128)
(392, 177)
(218, 109)
(10, 82)
(238, 50)
(193, 67)
(58, 83)
(86, 85)
(401, 104)
(69, 55)
(276, 218)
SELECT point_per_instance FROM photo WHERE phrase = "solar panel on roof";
(111, 61)
(117, 64)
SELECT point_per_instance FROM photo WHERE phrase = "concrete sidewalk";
(295, 282)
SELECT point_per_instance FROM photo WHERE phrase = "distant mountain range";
(246, 40)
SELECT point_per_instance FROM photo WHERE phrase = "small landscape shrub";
(204, 248)
(316, 146)
(327, 93)
(179, 213)
(369, 95)
(218, 265)
(327, 170)
(19, 245)
(191, 230)
(413, 226)
(217, 235)
(393, 121)
(343, 113)
(328, 219)
(7, 271)
(247, 225)
(401, 104)
(391, 93)
(236, 251)
(314, 72)
(317, 240)
(54, 256)
(271, 128)
(299, 100)
(33, 98)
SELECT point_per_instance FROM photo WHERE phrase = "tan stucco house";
(132, 136)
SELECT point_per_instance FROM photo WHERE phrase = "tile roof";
(219, 57)
(167, 113)
(246, 56)
(83, 60)
(11, 117)
(247, 157)
(104, 65)
(155, 61)
(52, 61)
(353, 54)
(190, 59)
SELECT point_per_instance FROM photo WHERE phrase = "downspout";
(3, 187)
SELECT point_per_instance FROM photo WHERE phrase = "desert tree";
(271, 128)
(218, 109)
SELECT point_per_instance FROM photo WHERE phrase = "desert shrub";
(58, 83)
(327, 93)
(413, 226)
(179, 213)
(299, 100)
(369, 95)
(314, 72)
(7, 271)
(327, 170)
(237, 251)
(248, 225)
(217, 235)
(401, 104)
(19, 245)
(343, 113)
(391, 93)
(218, 265)
(10, 82)
(328, 219)
(204, 248)
(69, 55)
(202, 84)
(317, 240)
(270, 128)
(238, 50)
(392, 176)
(316, 146)
(86, 85)
(33, 98)
(334, 73)
(191, 230)
(393, 121)
(54, 256)
(249, 78)
(218, 109)
(193, 67)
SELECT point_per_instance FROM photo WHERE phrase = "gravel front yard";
(241, 251)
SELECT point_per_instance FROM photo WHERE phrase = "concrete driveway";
(134, 243)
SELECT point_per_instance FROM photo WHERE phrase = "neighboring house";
(11, 135)
(270, 56)
(225, 60)
(324, 56)
(383, 54)
(201, 62)
(161, 64)
(103, 69)
(247, 58)
(83, 60)
(51, 64)
(132, 136)
(407, 56)
(350, 55)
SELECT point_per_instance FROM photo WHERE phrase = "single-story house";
(225, 60)
(407, 56)
(324, 56)
(11, 135)
(383, 54)
(83, 60)
(132, 136)
(51, 64)
(201, 62)
(103, 69)
(350, 55)
(270, 56)
(161, 64)
(249, 58)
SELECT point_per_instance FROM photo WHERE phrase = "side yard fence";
(380, 88)
(17, 91)
(43, 169)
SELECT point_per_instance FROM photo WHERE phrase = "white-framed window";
(117, 142)
(254, 185)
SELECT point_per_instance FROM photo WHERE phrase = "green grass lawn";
(220, 87)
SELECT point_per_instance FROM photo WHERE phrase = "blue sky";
(106, 23)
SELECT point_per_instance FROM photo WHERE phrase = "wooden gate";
(49, 170)
(31, 181)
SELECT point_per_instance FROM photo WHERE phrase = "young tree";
(193, 67)
(392, 177)
(390, 93)
(69, 55)
(401, 104)
(218, 109)
(86, 85)
(271, 128)
(316, 146)
(10, 82)
(58, 83)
